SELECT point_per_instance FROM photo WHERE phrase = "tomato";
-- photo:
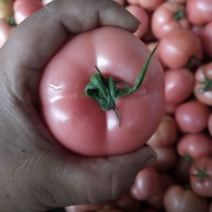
(202, 88)
(170, 108)
(192, 117)
(179, 1)
(146, 184)
(166, 133)
(210, 124)
(150, 5)
(142, 16)
(181, 170)
(6, 8)
(199, 11)
(201, 176)
(121, 2)
(190, 145)
(178, 85)
(167, 18)
(24, 8)
(166, 158)
(205, 37)
(178, 47)
(5, 30)
(178, 199)
(165, 181)
(73, 117)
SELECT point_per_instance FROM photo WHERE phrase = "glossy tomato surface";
(76, 120)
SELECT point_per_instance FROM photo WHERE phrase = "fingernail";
(150, 161)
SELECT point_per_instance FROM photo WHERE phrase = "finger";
(37, 38)
(93, 180)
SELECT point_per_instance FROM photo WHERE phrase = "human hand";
(36, 173)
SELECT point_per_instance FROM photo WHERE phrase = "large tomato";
(76, 120)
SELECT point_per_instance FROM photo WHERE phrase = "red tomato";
(165, 181)
(206, 39)
(199, 11)
(167, 18)
(142, 16)
(6, 8)
(179, 1)
(5, 30)
(192, 117)
(210, 124)
(166, 158)
(178, 85)
(190, 145)
(170, 108)
(146, 184)
(121, 2)
(24, 8)
(76, 120)
(201, 176)
(178, 47)
(178, 199)
(202, 88)
(150, 5)
(181, 170)
(166, 133)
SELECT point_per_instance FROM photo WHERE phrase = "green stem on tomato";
(202, 174)
(191, 59)
(11, 21)
(105, 92)
(207, 84)
(188, 158)
(179, 14)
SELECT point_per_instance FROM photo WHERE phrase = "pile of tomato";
(181, 178)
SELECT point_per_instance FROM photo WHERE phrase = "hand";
(36, 173)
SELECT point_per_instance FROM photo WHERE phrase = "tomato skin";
(178, 199)
(64, 105)
(25, 8)
(170, 108)
(202, 186)
(204, 97)
(210, 124)
(178, 85)
(199, 11)
(192, 117)
(177, 47)
(163, 21)
(146, 184)
(165, 181)
(196, 145)
(46, 1)
(142, 16)
(166, 133)
(150, 5)
(205, 37)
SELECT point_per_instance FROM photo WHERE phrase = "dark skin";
(36, 173)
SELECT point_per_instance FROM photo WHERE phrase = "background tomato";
(201, 176)
(73, 117)
(202, 88)
(149, 5)
(178, 199)
(178, 47)
(178, 85)
(168, 17)
(192, 117)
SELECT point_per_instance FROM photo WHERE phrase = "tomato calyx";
(11, 21)
(188, 158)
(207, 83)
(202, 174)
(193, 60)
(179, 14)
(105, 92)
